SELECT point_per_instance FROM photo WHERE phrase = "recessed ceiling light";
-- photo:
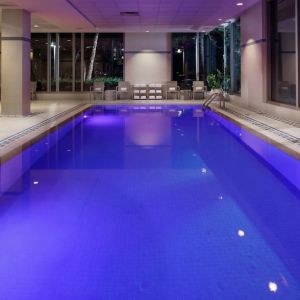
(240, 4)
(220, 19)
(147, 31)
(36, 26)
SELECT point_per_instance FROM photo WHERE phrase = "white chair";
(199, 88)
(172, 88)
(97, 89)
(140, 91)
(155, 91)
(123, 90)
(33, 90)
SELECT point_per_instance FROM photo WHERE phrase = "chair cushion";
(199, 88)
(123, 89)
(140, 85)
(98, 89)
(172, 89)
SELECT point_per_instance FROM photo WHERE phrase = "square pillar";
(15, 62)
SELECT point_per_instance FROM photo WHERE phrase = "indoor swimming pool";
(150, 202)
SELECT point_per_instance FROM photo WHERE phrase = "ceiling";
(104, 15)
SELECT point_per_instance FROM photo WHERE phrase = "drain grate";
(276, 118)
(33, 128)
(286, 136)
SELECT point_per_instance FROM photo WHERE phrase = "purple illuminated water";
(149, 203)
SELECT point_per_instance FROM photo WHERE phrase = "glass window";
(53, 61)
(103, 59)
(65, 62)
(78, 62)
(228, 47)
(236, 56)
(214, 50)
(202, 75)
(283, 51)
(232, 80)
(39, 45)
(184, 58)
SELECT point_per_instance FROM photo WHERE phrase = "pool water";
(146, 203)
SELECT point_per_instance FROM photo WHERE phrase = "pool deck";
(283, 134)
(15, 132)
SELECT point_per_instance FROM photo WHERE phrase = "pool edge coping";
(293, 153)
(19, 145)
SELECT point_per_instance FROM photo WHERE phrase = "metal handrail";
(208, 101)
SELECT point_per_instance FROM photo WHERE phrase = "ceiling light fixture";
(147, 31)
(220, 19)
(240, 4)
(36, 26)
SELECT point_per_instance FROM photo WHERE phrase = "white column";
(15, 62)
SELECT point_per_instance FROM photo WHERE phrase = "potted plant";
(214, 81)
(110, 86)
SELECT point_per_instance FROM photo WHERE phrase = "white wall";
(254, 65)
(148, 57)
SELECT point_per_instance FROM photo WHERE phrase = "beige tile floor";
(43, 110)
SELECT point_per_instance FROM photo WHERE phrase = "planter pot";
(216, 91)
(226, 96)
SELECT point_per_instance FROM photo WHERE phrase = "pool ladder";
(213, 97)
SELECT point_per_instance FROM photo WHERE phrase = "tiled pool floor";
(141, 204)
